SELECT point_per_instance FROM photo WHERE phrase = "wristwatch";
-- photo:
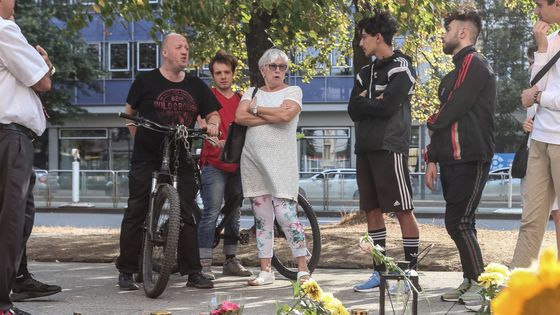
(255, 111)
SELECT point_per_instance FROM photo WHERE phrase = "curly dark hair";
(466, 13)
(223, 57)
(380, 23)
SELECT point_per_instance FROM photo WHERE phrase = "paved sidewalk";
(90, 288)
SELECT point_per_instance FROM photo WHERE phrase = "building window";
(147, 56)
(100, 133)
(119, 57)
(341, 65)
(325, 148)
(95, 52)
(100, 149)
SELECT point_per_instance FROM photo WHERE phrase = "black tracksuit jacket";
(463, 127)
(383, 124)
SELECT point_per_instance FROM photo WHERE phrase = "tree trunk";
(257, 43)
(360, 59)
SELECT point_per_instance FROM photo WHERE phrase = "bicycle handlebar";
(130, 117)
(196, 132)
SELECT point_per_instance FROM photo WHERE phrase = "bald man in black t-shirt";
(167, 96)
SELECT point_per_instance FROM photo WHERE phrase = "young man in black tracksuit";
(462, 142)
(380, 108)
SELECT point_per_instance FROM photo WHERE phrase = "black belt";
(17, 127)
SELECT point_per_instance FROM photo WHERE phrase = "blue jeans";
(217, 186)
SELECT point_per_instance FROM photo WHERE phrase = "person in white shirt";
(543, 166)
(528, 127)
(24, 71)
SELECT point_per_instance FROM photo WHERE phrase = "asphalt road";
(88, 220)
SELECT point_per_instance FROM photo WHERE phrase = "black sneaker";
(197, 280)
(28, 288)
(126, 282)
(16, 311)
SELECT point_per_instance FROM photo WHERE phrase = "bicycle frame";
(163, 175)
(162, 225)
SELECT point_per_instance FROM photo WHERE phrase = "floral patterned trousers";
(266, 208)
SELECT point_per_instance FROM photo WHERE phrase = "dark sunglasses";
(273, 67)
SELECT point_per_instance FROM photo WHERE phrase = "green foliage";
(307, 29)
(420, 23)
(245, 28)
(67, 51)
(505, 36)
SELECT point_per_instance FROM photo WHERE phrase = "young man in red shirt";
(220, 181)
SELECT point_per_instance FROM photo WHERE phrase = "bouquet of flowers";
(227, 308)
(493, 279)
(366, 244)
(311, 300)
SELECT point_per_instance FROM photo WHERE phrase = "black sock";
(230, 256)
(379, 237)
(410, 245)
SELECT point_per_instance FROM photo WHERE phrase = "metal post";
(510, 189)
(76, 176)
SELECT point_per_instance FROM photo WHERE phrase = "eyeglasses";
(273, 67)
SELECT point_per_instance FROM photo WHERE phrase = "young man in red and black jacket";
(462, 142)
(220, 181)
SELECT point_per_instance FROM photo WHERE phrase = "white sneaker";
(473, 305)
(453, 295)
(473, 294)
(263, 278)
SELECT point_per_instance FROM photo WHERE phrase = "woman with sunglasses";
(269, 172)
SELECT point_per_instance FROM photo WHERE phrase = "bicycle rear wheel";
(283, 260)
(160, 248)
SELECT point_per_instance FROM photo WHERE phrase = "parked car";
(44, 180)
(334, 184)
(497, 185)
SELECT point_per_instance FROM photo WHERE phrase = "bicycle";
(163, 220)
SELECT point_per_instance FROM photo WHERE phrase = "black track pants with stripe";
(462, 188)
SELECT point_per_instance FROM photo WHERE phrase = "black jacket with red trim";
(383, 123)
(463, 127)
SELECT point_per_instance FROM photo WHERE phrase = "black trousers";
(16, 206)
(140, 179)
(462, 188)
(28, 227)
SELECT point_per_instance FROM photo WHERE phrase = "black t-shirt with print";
(167, 103)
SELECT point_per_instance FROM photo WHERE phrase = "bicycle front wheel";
(160, 246)
(283, 260)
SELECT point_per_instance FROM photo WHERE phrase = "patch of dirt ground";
(339, 245)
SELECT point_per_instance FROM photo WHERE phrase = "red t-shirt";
(211, 154)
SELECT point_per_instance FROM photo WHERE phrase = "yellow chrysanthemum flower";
(327, 298)
(334, 305)
(499, 268)
(535, 292)
(340, 310)
(312, 289)
(488, 279)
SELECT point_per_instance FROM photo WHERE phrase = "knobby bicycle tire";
(166, 224)
(282, 259)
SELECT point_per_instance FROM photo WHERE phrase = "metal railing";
(334, 190)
